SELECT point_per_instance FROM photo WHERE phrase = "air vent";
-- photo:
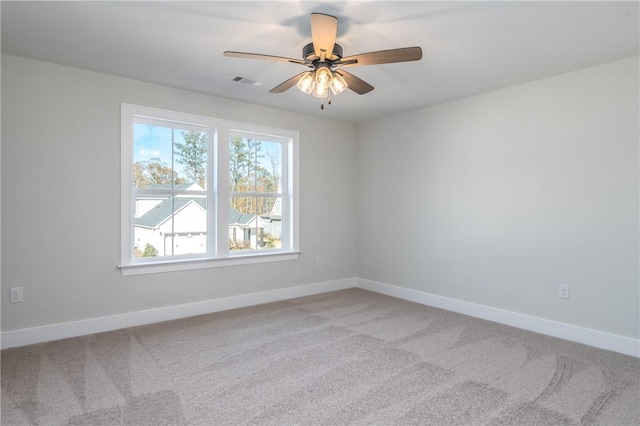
(247, 81)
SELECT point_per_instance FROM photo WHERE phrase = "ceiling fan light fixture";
(323, 77)
(325, 58)
(320, 91)
(307, 82)
(338, 84)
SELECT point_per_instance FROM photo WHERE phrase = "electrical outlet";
(318, 261)
(563, 291)
(16, 295)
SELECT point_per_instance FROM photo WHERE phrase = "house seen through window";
(170, 181)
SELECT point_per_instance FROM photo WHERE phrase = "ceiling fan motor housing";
(308, 51)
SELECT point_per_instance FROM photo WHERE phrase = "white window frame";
(217, 192)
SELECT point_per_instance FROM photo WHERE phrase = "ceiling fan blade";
(404, 54)
(354, 83)
(259, 56)
(288, 84)
(324, 29)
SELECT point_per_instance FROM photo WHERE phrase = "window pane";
(254, 165)
(272, 206)
(166, 156)
(170, 226)
(190, 159)
(272, 165)
(152, 147)
(255, 223)
(242, 163)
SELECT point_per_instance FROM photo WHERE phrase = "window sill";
(191, 264)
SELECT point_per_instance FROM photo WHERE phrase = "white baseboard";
(65, 330)
(598, 339)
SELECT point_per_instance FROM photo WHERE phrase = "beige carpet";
(348, 357)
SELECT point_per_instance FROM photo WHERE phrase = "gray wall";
(493, 199)
(498, 198)
(61, 198)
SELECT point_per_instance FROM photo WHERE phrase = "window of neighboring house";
(201, 192)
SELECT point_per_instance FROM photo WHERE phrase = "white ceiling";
(468, 47)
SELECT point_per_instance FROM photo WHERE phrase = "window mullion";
(173, 196)
(254, 194)
(222, 193)
(211, 190)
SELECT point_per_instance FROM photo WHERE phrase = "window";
(255, 192)
(201, 192)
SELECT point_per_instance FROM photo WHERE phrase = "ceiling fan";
(325, 59)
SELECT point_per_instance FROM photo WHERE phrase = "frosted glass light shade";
(338, 85)
(320, 92)
(307, 82)
(323, 77)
